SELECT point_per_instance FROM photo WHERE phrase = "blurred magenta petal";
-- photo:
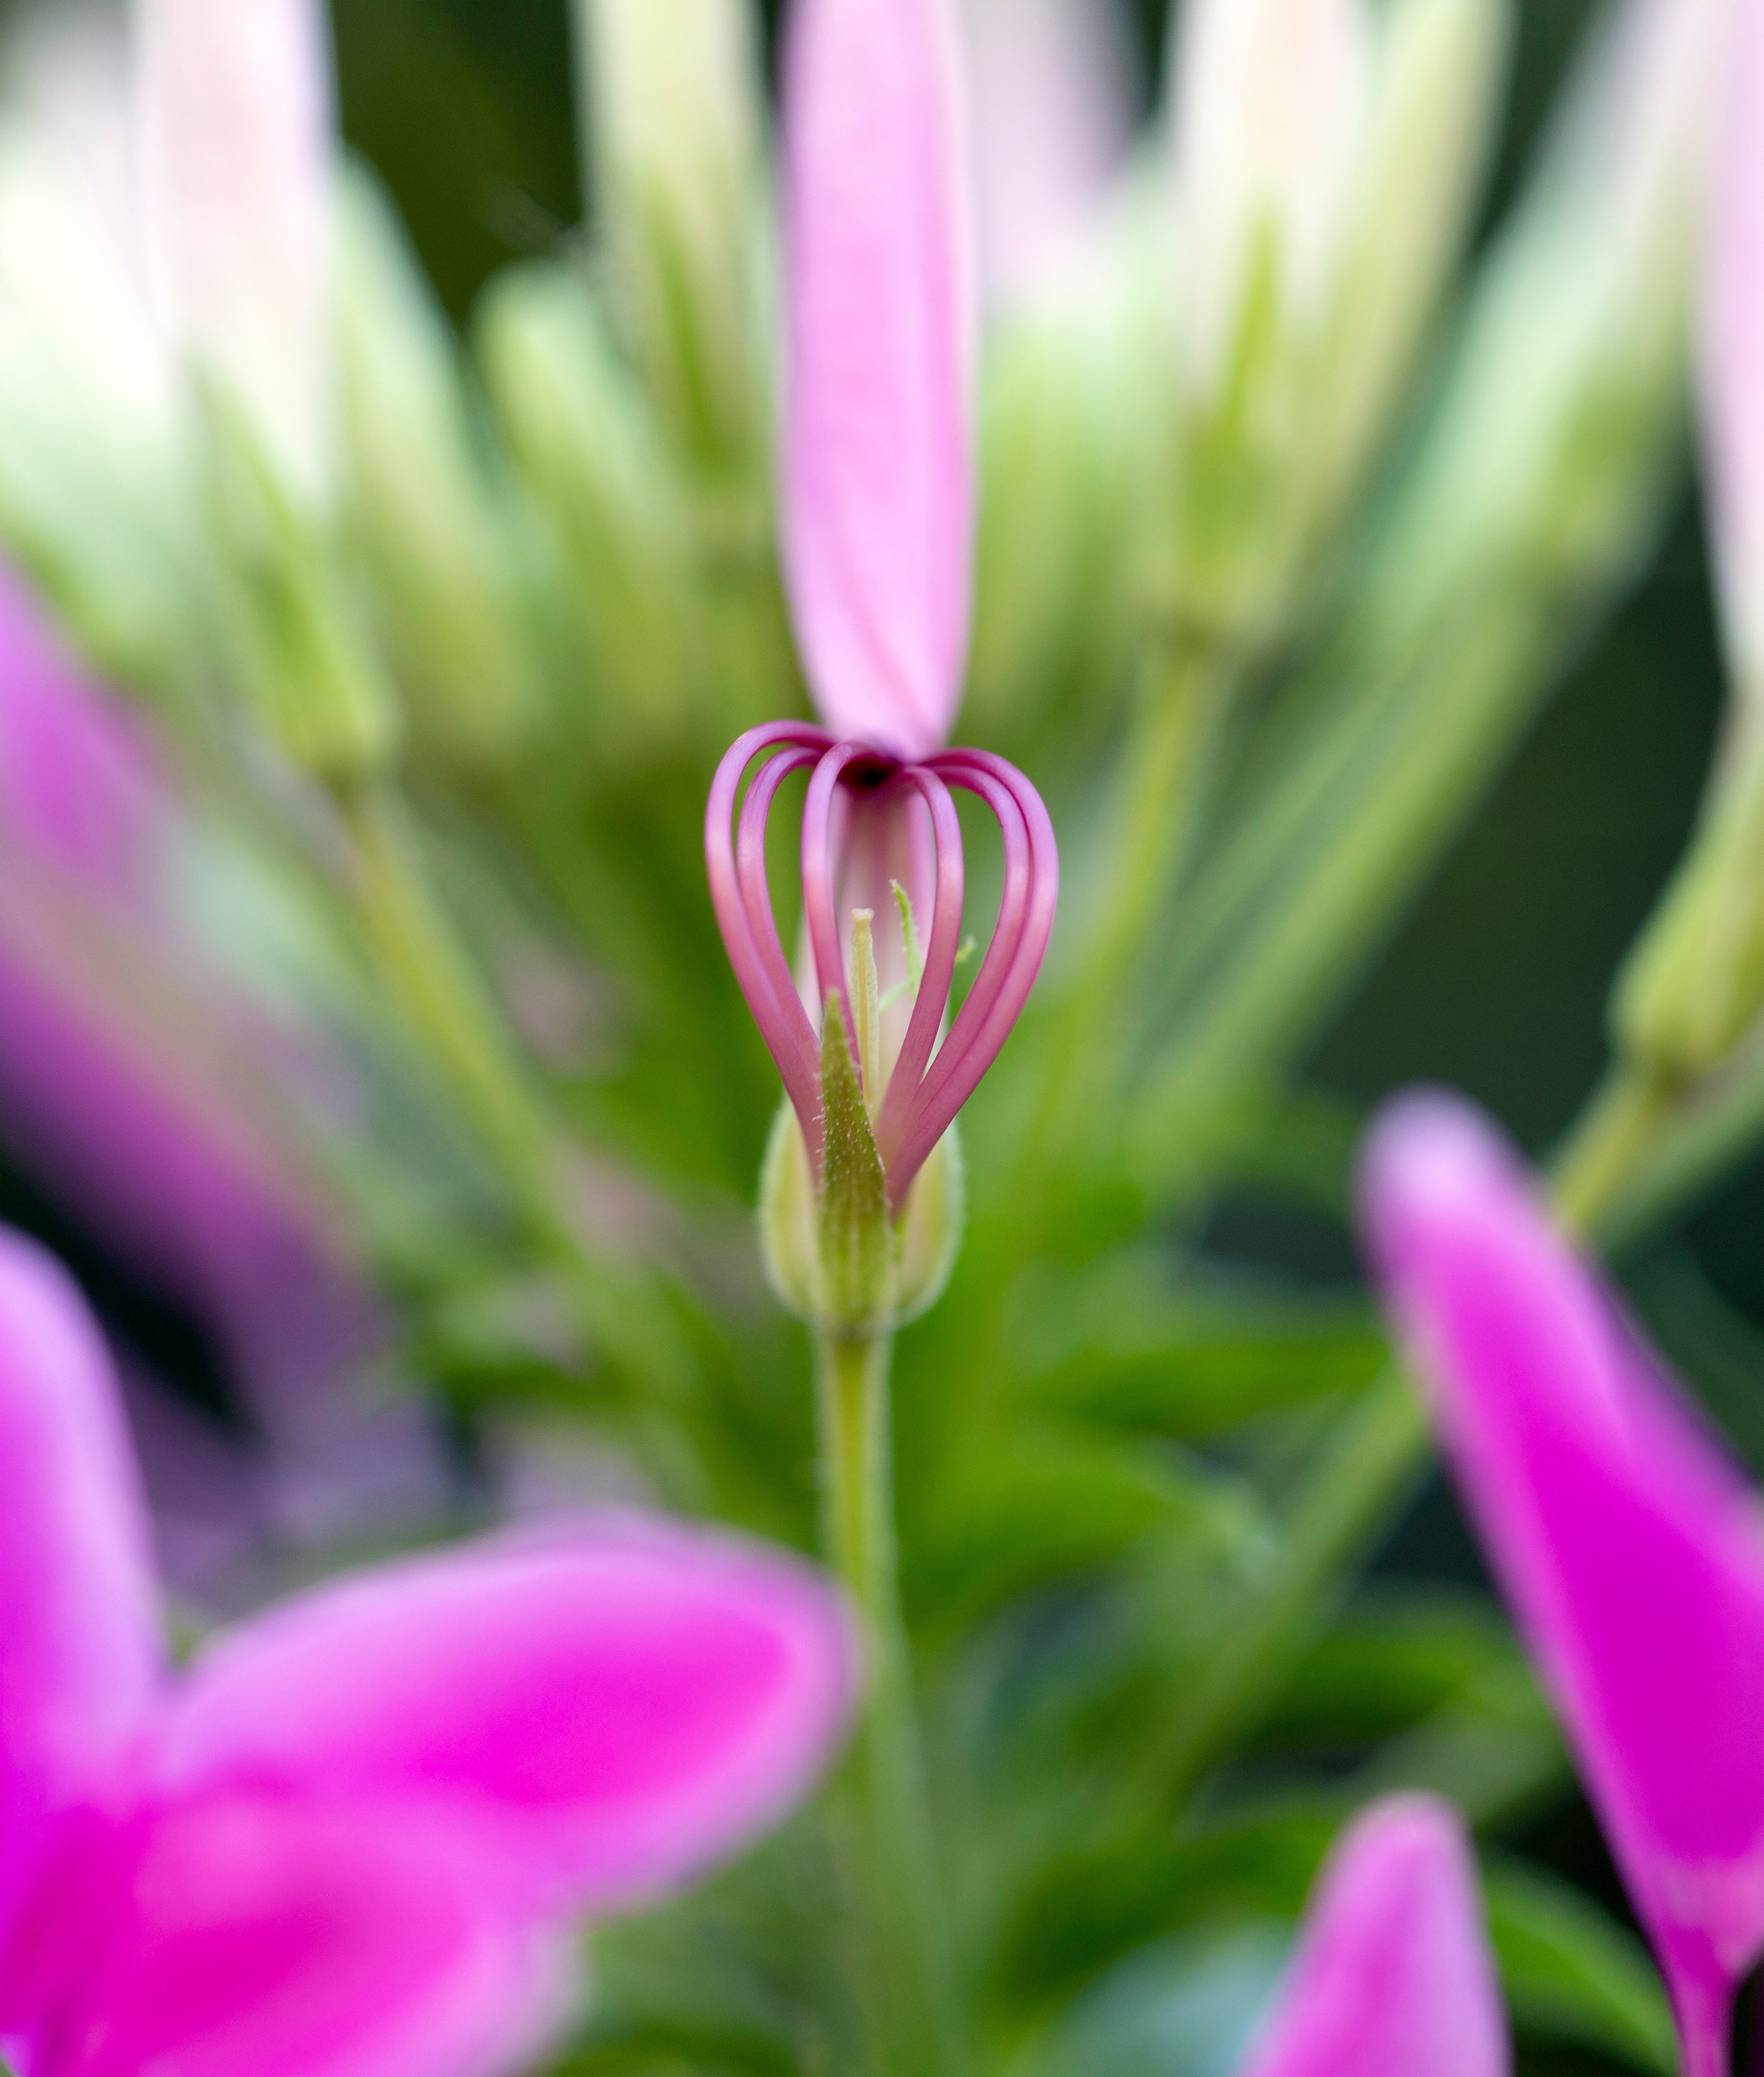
(1393, 1976)
(611, 1709)
(247, 1935)
(350, 1842)
(80, 786)
(1631, 1550)
(877, 489)
(1732, 350)
(80, 1657)
(236, 129)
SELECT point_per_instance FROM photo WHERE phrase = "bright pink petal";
(1632, 1551)
(247, 1934)
(1393, 1976)
(1733, 350)
(607, 1712)
(878, 458)
(79, 1651)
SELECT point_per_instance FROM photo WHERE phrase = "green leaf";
(1125, 1343)
(1573, 1974)
(1052, 1502)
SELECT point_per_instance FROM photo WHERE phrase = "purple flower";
(878, 500)
(352, 1836)
(1630, 1548)
(1392, 1977)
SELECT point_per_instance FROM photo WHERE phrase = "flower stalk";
(911, 1990)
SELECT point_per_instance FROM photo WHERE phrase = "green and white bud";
(98, 497)
(676, 163)
(436, 528)
(1435, 110)
(1567, 390)
(1692, 992)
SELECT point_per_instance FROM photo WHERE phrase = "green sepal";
(856, 1243)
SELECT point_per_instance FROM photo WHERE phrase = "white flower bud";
(236, 139)
(1270, 101)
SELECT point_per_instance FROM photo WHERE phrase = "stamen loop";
(930, 1083)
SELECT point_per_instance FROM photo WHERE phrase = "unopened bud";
(922, 1245)
(1692, 993)
(673, 104)
(433, 526)
(236, 127)
(1270, 102)
(1436, 104)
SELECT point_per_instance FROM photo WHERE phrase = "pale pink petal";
(1732, 350)
(80, 1649)
(243, 1934)
(1052, 123)
(236, 131)
(877, 489)
(1393, 1976)
(1632, 1551)
(607, 1711)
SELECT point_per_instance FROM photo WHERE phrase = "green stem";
(1374, 1458)
(447, 1004)
(912, 1988)
(1613, 1142)
(1182, 696)
(450, 1011)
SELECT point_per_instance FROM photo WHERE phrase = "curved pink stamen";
(941, 955)
(749, 933)
(820, 893)
(927, 1089)
(1019, 945)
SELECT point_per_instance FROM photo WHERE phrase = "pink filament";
(927, 1089)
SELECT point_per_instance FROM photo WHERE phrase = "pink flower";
(1392, 1977)
(878, 494)
(351, 1838)
(1631, 1550)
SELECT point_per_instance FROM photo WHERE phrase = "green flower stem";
(447, 1004)
(1184, 693)
(1612, 1145)
(448, 1008)
(911, 1988)
(1374, 1458)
